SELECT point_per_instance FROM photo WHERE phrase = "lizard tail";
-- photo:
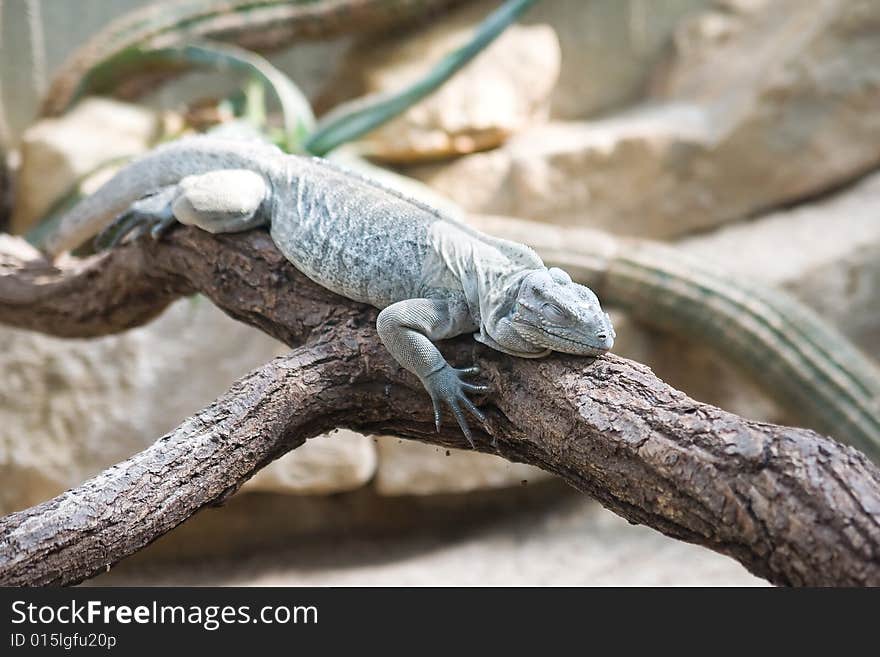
(166, 165)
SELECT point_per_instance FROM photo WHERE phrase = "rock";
(57, 153)
(789, 89)
(460, 542)
(70, 408)
(256, 523)
(341, 461)
(504, 89)
(769, 103)
(407, 467)
(826, 253)
(609, 49)
(838, 275)
(618, 174)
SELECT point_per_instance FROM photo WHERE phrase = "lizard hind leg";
(223, 201)
(151, 213)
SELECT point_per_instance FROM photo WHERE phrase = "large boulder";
(825, 253)
(407, 467)
(609, 49)
(506, 88)
(71, 408)
(58, 153)
(762, 104)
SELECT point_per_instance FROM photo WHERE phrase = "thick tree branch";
(792, 506)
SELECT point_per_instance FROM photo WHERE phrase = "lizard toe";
(437, 412)
(161, 227)
(476, 388)
(462, 422)
(447, 388)
(115, 232)
(468, 404)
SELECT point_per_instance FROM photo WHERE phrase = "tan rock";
(459, 542)
(70, 408)
(407, 467)
(504, 89)
(613, 174)
(826, 253)
(788, 87)
(769, 103)
(609, 49)
(340, 461)
(57, 153)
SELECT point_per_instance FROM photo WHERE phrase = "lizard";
(800, 359)
(432, 276)
(108, 59)
(797, 356)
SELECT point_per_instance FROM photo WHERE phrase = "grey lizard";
(432, 276)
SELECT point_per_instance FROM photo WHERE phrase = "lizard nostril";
(601, 336)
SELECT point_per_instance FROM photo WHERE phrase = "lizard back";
(351, 235)
(372, 244)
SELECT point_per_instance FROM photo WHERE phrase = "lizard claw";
(151, 214)
(447, 387)
(114, 233)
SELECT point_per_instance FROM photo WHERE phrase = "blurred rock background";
(744, 130)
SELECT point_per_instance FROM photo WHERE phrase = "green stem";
(299, 121)
(351, 120)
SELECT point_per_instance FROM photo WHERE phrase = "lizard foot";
(152, 214)
(447, 385)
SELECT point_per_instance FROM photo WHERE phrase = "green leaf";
(358, 117)
(297, 115)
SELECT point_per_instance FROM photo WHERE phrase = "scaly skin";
(794, 354)
(101, 63)
(432, 276)
(797, 356)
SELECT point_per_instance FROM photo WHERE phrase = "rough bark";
(791, 505)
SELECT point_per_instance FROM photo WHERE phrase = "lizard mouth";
(581, 348)
(595, 351)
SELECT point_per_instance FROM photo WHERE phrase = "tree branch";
(792, 506)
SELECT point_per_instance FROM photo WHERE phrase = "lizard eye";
(553, 313)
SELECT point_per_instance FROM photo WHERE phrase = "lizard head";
(552, 312)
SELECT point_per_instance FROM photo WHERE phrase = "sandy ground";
(572, 541)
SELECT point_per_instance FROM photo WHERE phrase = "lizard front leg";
(407, 329)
